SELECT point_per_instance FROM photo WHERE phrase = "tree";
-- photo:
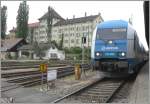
(49, 24)
(61, 42)
(3, 21)
(39, 51)
(54, 43)
(22, 20)
(31, 36)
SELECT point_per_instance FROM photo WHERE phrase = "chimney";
(85, 14)
(67, 18)
(99, 13)
(73, 16)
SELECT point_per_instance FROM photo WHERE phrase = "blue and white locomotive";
(116, 48)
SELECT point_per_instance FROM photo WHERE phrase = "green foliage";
(61, 42)
(77, 52)
(73, 50)
(87, 53)
(22, 20)
(54, 43)
(31, 36)
(39, 51)
(8, 56)
(3, 21)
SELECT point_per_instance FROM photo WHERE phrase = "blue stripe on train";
(116, 46)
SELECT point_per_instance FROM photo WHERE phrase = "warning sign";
(43, 68)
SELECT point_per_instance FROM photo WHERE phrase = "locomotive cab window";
(116, 33)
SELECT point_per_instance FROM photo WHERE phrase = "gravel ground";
(62, 87)
(122, 96)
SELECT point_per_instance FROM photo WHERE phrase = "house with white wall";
(48, 52)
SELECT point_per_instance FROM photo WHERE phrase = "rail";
(100, 91)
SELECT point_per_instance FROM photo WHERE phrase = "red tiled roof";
(32, 25)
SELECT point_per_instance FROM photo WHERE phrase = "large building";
(33, 32)
(42, 36)
(72, 29)
(76, 28)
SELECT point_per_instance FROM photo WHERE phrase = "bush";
(77, 52)
(8, 56)
(73, 50)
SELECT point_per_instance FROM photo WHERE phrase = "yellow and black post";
(43, 69)
(77, 72)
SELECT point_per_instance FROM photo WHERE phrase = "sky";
(110, 10)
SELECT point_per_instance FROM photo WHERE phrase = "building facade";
(42, 36)
(72, 30)
(33, 32)
(12, 33)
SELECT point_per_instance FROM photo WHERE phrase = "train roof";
(113, 24)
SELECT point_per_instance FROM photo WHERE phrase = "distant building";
(9, 47)
(72, 29)
(54, 53)
(33, 32)
(33, 28)
(12, 33)
(49, 52)
(42, 37)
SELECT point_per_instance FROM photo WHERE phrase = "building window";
(87, 27)
(91, 27)
(77, 41)
(53, 55)
(77, 28)
(66, 41)
(59, 31)
(77, 34)
(83, 28)
(72, 41)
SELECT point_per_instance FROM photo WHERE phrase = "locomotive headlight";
(123, 54)
(110, 42)
(97, 53)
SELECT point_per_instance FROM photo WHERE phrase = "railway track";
(28, 66)
(29, 79)
(6, 88)
(100, 91)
